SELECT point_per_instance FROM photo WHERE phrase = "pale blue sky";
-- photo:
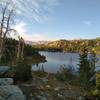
(61, 19)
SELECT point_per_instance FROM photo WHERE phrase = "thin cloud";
(86, 22)
(21, 28)
(37, 10)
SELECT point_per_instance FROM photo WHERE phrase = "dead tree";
(6, 17)
(20, 49)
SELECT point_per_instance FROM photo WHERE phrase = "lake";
(56, 59)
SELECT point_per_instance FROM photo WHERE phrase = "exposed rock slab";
(4, 69)
(6, 81)
(11, 92)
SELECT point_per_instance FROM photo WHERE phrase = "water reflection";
(56, 59)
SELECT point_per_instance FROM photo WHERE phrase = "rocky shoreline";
(42, 88)
(9, 91)
(52, 89)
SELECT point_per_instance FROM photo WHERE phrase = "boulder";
(6, 81)
(28, 89)
(11, 92)
(81, 98)
(1, 98)
(4, 69)
(97, 69)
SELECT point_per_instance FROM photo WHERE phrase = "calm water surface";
(56, 59)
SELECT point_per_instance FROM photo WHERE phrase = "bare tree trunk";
(1, 49)
(1, 31)
(20, 49)
(6, 15)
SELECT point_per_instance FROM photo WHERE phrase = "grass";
(40, 74)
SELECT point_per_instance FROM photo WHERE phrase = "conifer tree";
(84, 70)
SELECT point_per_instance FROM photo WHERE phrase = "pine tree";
(92, 61)
(84, 70)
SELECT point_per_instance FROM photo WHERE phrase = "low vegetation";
(70, 45)
(22, 72)
(65, 74)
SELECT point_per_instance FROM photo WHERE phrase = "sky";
(38, 20)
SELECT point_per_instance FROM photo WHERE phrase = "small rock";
(6, 81)
(41, 87)
(57, 89)
(81, 98)
(42, 97)
(48, 86)
(33, 98)
(38, 96)
(45, 80)
(4, 69)
(60, 95)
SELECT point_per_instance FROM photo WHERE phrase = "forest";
(70, 45)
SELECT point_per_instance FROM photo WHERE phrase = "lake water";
(56, 59)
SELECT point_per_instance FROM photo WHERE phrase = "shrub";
(96, 92)
(11, 72)
(65, 73)
(23, 72)
(98, 80)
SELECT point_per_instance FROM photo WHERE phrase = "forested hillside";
(70, 45)
(11, 50)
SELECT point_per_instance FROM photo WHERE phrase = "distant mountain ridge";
(68, 45)
(36, 42)
(57, 41)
